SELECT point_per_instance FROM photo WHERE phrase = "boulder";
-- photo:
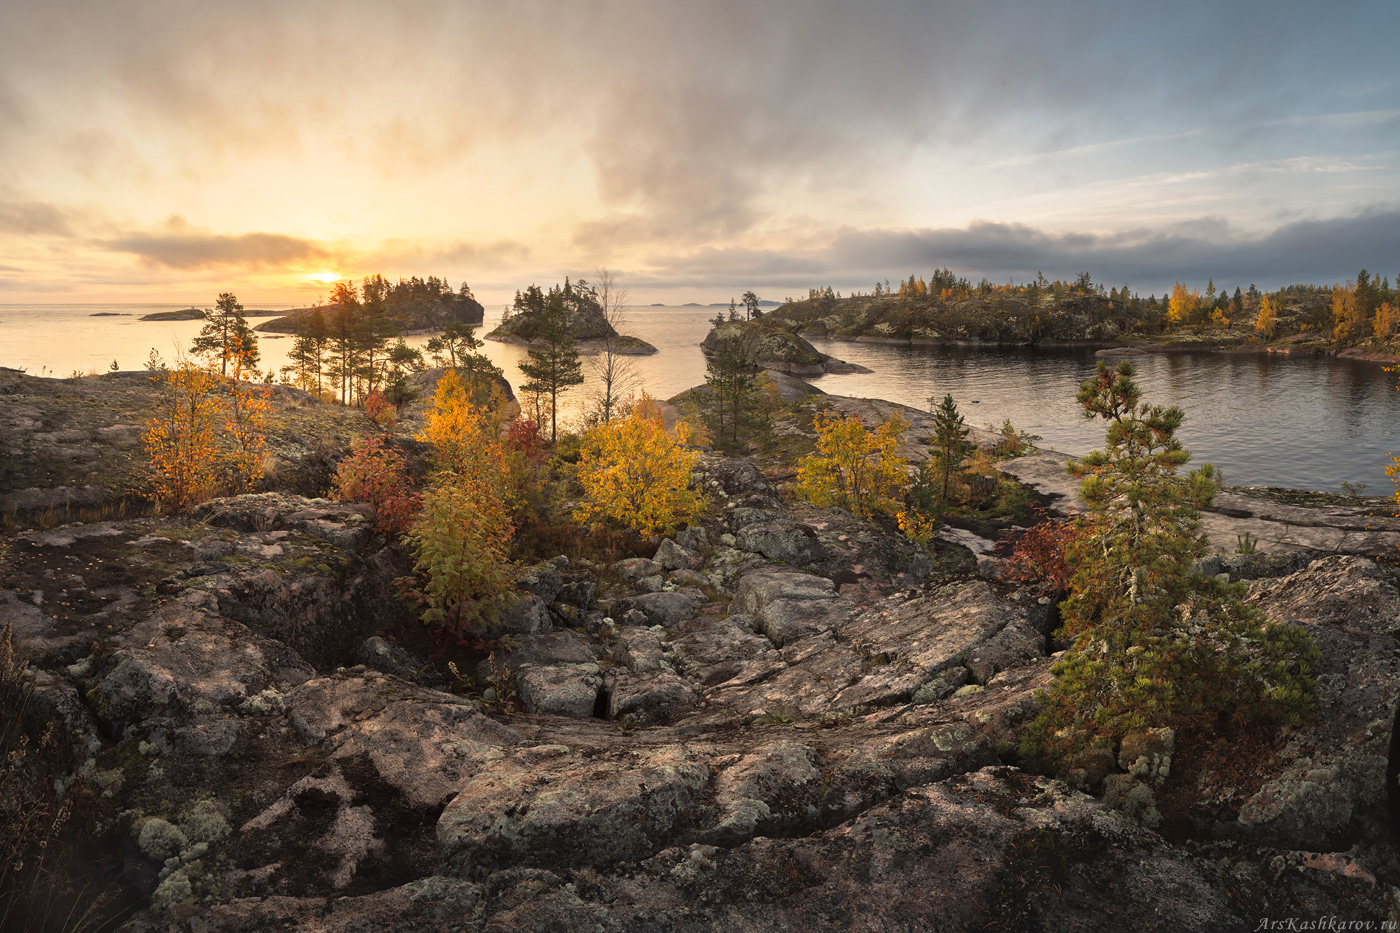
(666, 608)
(182, 660)
(739, 482)
(693, 538)
(562, 648)
(787, 606)
(712, 651)
(639, 650)
(559, 691)
(577, 589)
(542, 580)
(390, 658)
(671, 556)
(1326, 788)
(788, 542)
(633, 569)
(527, 615)
(653, 696)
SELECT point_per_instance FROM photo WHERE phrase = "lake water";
(1310, 423)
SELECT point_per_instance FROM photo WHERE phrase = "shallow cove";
(1308, 423)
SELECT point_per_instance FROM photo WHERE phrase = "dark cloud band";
(187, 250)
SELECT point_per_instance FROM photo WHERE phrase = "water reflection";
(1308, 422)
(1311, 422)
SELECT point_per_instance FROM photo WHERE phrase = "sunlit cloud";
(181, 247)
(509, 143)
(33, 218)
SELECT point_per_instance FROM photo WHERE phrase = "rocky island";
(773, 348)
(578, 311)
(411, 306)
(780, 716)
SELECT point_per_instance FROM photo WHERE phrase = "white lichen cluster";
(268, 701)
(160, 839)
(1148, 755)
(178, 848)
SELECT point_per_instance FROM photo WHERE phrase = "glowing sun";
(325, 278)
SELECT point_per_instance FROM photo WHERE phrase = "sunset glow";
(697, 150)
(325, 278)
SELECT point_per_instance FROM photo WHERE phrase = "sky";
(170, 150)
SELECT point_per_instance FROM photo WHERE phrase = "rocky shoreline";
(783, 717)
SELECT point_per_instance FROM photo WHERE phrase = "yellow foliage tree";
(466, 437)
(181, 440)
(1184, 305)
(1387, 316)
(854, 468)
(1268, 318)
(461, 536)
(1347, 325)
(637, 473)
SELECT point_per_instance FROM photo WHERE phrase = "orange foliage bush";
(377, 472)
(181, 440)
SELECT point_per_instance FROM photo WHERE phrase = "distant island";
(188, 314)
(415, 305)
(1357, 320)
(585, 314)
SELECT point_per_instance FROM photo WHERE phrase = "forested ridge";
(1360, 313)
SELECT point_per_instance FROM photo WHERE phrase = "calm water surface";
(1305, 422)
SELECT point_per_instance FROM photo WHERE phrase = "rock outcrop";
(784, 717)
(771, 348)
(589, 328)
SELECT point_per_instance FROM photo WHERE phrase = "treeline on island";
(1361, 313)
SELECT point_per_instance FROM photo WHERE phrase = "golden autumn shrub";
(459, 543)
(245, 419)
(206, 438)
(859, 470)
(636, 473)
(182, 440)
(463, 530)
(461, 431)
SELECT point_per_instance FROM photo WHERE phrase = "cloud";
(690, 132)
(413, 254)
(1307, 250)
(33, 218)
(183, 248)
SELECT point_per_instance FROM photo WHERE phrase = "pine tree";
(554, 366)
(730, 376)
(1160, 645)
(342, 341)
(457, 341)
(950, 445)
(751, 311)
(225, 334)
(308, 353)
